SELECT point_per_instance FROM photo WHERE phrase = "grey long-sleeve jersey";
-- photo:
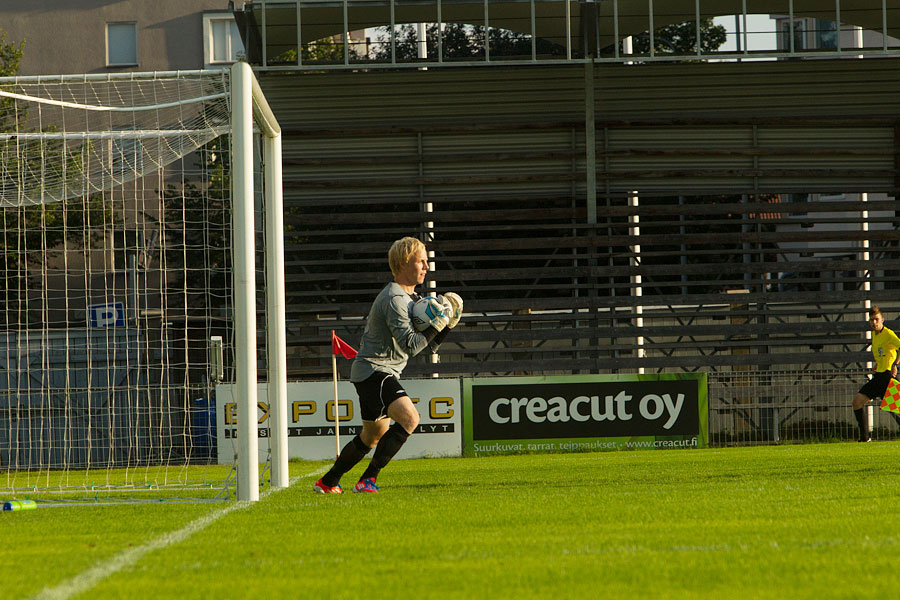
(389, 339)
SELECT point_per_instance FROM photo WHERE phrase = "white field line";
(88, 579)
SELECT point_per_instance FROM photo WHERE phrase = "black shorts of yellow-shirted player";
(388, 341)
(885, 344)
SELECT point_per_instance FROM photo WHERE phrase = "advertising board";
(595, 412)
(311, 431)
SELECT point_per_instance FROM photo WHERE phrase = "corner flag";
(339, 346)
(891, 399)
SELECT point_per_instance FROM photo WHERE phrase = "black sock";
(352, 453)
(861, 421)
(389, 445)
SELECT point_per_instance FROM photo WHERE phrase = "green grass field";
(810, 521)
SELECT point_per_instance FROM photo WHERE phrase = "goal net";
(117, 288)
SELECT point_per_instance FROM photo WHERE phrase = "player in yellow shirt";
(885, 344)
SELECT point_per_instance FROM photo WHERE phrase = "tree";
(459, 41)
(323, 50)
(681, 38)
(10, 55)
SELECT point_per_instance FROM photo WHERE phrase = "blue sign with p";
(106, 315)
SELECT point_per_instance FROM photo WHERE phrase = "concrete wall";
(69, 36)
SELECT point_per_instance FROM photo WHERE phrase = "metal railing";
(372, 34)
(784, 406)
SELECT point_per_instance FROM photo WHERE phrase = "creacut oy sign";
(585, 412)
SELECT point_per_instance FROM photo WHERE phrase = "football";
(424, 311)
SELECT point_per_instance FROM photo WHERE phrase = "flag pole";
(338, 346)
(337, 421)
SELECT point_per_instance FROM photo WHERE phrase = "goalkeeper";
(388, 342)
(884, 348)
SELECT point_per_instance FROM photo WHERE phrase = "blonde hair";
(875, 311)
(401, 251)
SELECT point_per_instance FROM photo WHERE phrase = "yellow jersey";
(884, 347)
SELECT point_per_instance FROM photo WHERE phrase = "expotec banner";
(311, 419)
(596, 412)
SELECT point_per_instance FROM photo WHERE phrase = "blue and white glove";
(429, 312)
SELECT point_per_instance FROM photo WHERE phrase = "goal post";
(129, 243)
(249, 105)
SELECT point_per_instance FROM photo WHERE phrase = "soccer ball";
(424, 310)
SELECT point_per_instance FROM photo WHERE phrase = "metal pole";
(275, 311)
(487, 32)
(837, 19)
(697, 22)
(590, 143)
(533, 34)
(346, 36)
(682, 230)
(790, 24)
(428, 210)
(299, 38)
(133, 292)
(263, 57)
(867, 287)
(440, 33)
(634, 232)
(615, 26)
(393, 35)
(337, 412)
(244, 281)
(744, 15)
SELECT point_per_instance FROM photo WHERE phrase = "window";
(221, 40)
(121, 44)
(798, 30)
(826, 34)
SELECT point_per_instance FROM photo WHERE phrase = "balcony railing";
(366, 34)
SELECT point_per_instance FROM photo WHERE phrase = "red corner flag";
(339, 346)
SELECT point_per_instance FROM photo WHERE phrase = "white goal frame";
(85, 116)
(248, 106)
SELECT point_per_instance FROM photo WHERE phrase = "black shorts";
(874, 388)
(376, 393)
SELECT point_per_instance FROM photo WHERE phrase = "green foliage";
(460, 41)
(46, 226)
(10, 55)
(323, 50)
(763, 522)
(681, 38)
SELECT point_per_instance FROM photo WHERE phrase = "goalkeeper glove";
(454, 305)
(436, 315)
